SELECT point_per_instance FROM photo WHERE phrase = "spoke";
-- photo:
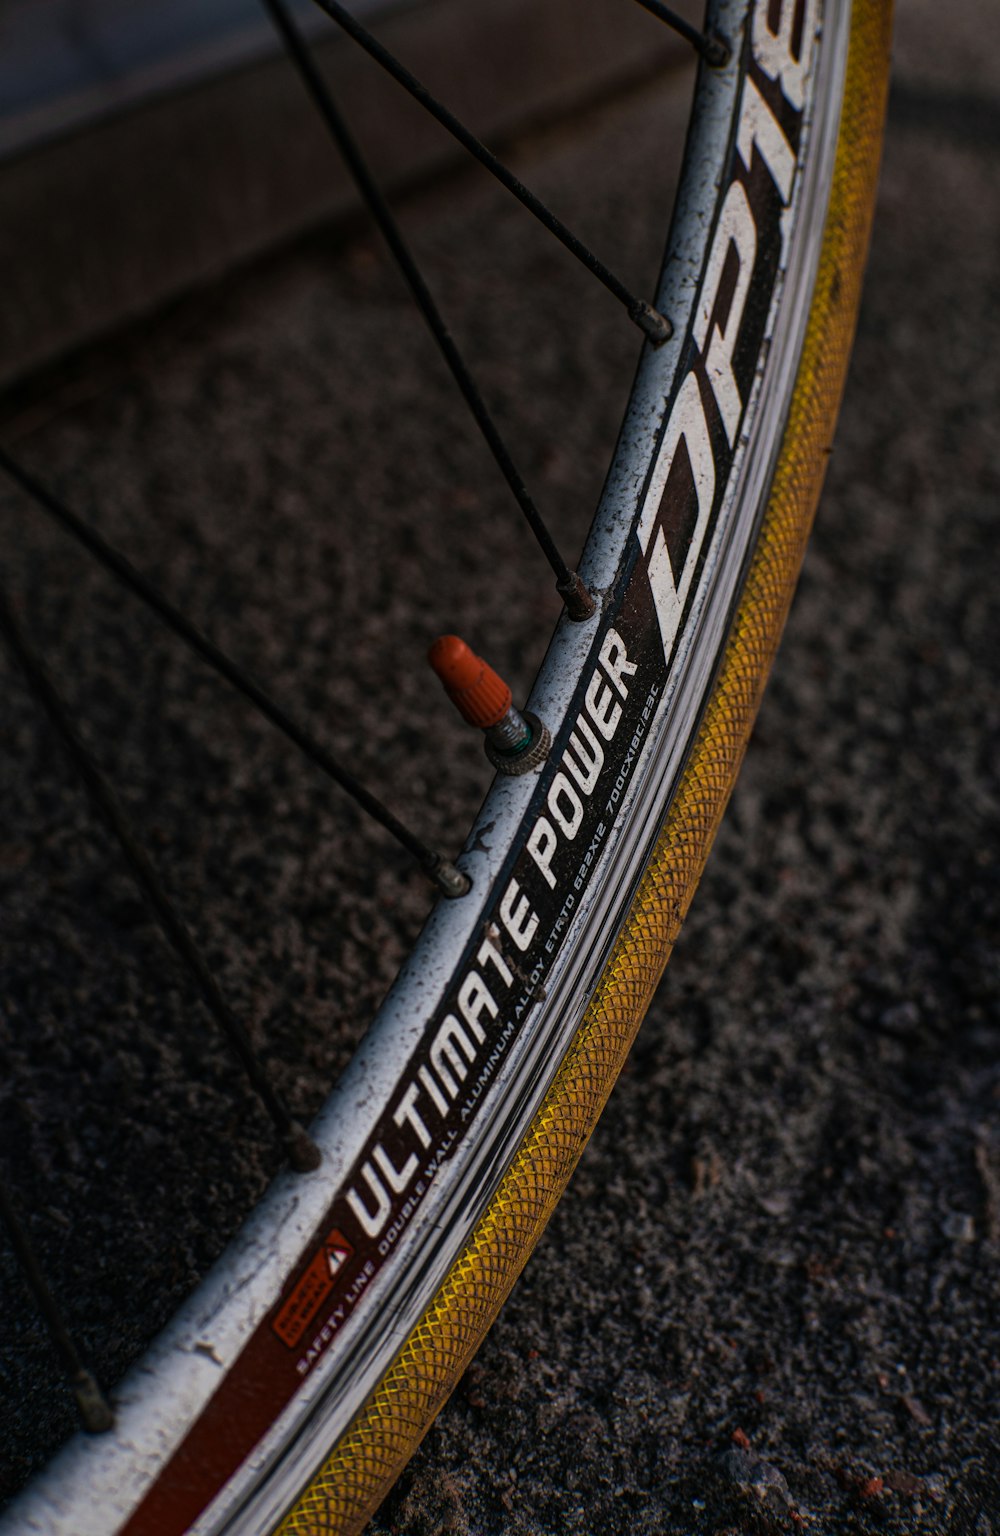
(95, 1411)
(301, 1150)
(656, 327)
(712, 46)
(579, 603)
(448, 879)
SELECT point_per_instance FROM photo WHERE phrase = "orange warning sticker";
(312, 1288)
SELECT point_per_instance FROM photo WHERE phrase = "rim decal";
(313, 1289)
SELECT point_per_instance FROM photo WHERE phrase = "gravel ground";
(768, 1301)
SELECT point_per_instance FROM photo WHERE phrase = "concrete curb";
(100, 226)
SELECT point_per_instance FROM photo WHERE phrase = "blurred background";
(769, 1298)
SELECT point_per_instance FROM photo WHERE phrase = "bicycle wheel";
(344, 1312)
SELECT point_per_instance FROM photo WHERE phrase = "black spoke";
(301, 1150)
(95, 1411)
(579, 604)
(712, 46)
(444, 874)
(656, 327)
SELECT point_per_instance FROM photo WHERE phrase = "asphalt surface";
(768, 1301)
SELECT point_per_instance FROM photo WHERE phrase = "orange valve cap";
(481, 697)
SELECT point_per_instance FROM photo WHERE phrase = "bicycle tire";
(373, 1390)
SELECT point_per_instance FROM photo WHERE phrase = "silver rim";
(96, 1484)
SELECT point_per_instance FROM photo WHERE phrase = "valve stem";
(515, 742)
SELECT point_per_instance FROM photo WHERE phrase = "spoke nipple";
(716, 50)
(656, 327)
(579, 603)
(515, 743)
(450, 880)
(302, 1152)
(96, 1414)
